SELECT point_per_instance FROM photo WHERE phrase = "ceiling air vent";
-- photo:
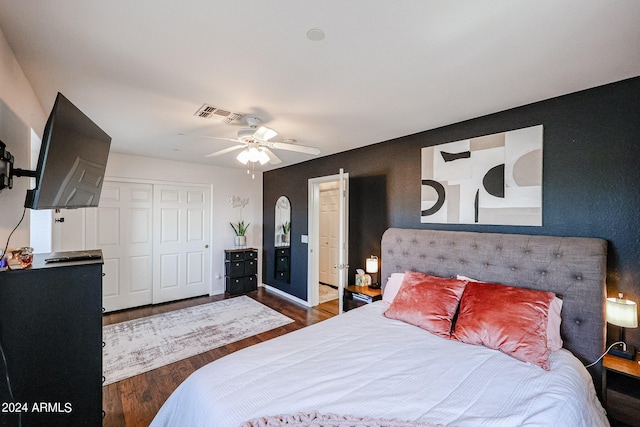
(209, 111)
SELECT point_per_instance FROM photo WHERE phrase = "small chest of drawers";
(283, 264)
(240, 270)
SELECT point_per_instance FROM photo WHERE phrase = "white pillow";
(554, 340)
(392, 287)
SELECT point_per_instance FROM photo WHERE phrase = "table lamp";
(623, 313)
(371, 266)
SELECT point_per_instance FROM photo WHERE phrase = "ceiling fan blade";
(219, 137)
(273, 159)
(264, 133)
(226, 150)
(294, 147)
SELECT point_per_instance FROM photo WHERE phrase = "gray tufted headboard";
(572, 267)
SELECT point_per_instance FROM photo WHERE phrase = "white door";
(122, 227)
(329, 232)
(181, 260)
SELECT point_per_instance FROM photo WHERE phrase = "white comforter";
(364, 364)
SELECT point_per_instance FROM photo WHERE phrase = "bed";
(366, 366)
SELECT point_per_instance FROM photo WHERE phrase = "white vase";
(285, 238)
(241, 241)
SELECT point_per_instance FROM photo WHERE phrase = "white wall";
(225, 182)
(20, 111)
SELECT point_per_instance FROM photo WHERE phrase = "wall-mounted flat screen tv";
(72, 161)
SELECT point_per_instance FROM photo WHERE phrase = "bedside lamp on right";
(623, 313)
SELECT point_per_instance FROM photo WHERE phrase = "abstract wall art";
(494, 179)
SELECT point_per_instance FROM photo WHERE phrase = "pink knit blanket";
(316, 419)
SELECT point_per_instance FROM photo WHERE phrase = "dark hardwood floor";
(133, 402)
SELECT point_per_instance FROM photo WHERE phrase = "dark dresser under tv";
(51, 333)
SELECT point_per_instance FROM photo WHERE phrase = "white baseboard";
(285, 295)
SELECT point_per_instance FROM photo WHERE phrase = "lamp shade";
(622, 312)
(371, 264)
(254, 154)
(263, 157)
(243, 157)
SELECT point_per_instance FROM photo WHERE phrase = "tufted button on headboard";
(574, 268)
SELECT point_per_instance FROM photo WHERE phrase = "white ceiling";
(385, 69)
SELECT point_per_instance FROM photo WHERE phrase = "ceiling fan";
(256, 146)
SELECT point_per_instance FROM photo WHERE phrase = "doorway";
(328, 234)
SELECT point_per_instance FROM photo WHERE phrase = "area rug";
(141, 345)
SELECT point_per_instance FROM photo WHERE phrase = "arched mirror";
(283, 222)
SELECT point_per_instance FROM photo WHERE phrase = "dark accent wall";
(591, 184)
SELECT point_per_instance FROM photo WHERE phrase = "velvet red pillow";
(554, 319)
(428, 302)
(512, 320)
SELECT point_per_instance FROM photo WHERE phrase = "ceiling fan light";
(263, 157)
(254, 154)
(243, 157)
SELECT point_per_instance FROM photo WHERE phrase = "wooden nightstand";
(355, 296)
(621, 389)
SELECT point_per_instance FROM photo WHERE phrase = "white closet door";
(122, 227)
(181, 218)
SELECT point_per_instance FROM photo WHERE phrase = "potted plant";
(240, 229)
(286, 229)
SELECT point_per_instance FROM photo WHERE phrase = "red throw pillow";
(428, 302)
(512, 320)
